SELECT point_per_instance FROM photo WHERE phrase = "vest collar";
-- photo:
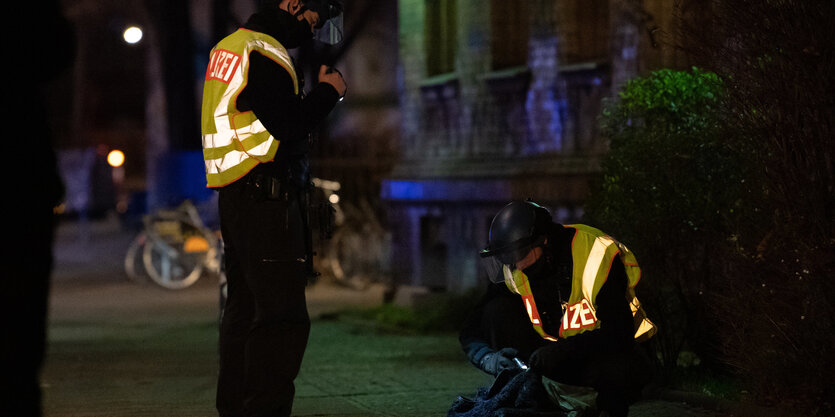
(267, 20)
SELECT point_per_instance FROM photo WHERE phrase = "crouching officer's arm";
(472, 337)
(473, 341)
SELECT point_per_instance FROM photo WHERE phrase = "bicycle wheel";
(171, 266)
(349, 260)
(134, 265)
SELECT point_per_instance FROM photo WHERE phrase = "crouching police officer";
(562, 298)
(256, 124)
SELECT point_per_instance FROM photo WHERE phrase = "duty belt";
(265, 187)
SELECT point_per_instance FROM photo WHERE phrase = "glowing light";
(132, 35)
(195, 244)
(116, 158)
(333, 198)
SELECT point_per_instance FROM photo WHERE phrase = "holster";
(323, 219)
(263, 187)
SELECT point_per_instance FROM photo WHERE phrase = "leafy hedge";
(669, 183)
(737, 265)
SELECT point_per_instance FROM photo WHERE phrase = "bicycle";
(356, 253)
(174, 249)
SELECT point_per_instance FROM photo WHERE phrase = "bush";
(668, 182)
(726, 192)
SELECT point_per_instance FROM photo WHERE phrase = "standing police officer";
(563, 299)
(33, 190)
(256, 124)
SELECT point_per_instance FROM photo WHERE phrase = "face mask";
(297, 30)
(540, 269)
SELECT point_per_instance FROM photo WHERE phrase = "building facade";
(499, 101)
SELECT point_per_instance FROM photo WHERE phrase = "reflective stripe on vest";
(234, 142)
(592, 253)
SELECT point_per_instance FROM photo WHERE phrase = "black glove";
(495, 362)
(551, 358)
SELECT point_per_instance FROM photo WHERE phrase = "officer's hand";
(311, 17)
(333, 77)
(550, 359)
(495, 362)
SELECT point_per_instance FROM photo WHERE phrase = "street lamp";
(132, 35)
(116, 158)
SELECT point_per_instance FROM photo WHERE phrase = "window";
(583, 27)
(440, 36)
(509, 33)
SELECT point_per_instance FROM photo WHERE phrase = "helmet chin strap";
(544, 267)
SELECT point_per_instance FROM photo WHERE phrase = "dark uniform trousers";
(617, 376)
(23, 307)
(265, 324)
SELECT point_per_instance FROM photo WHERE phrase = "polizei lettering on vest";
(578, 316)
(222, 65)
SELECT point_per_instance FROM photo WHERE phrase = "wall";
(477, 137)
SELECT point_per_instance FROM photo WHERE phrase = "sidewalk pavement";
(118, 348)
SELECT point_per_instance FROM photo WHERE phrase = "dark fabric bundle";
(514, 394)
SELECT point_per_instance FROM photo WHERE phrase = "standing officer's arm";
(269, 93)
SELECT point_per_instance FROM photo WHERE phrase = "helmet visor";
(493, 269)
(328, 29)
(331, 31)
(497, 263)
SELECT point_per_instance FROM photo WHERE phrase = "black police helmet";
(515, 229)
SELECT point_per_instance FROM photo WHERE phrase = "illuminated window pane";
(583, 27)
(440, 36)
(509, 33)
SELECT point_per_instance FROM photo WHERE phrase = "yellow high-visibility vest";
(592, 253)
(235, 141)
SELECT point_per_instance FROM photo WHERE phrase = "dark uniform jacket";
(550, 281)
(291, 118)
